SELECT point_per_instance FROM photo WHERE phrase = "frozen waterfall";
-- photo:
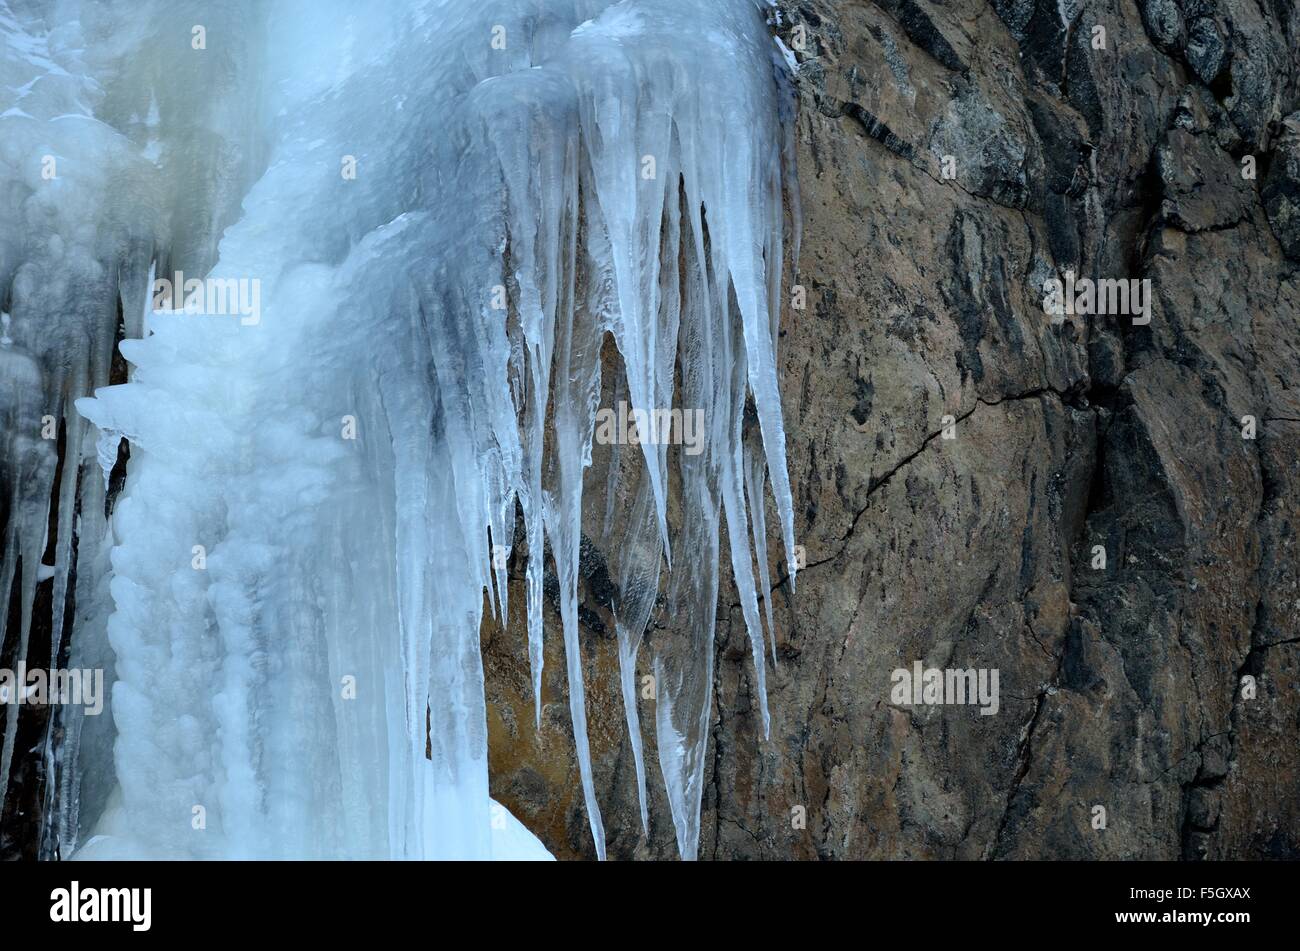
(362, 261)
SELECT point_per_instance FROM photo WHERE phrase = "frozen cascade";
(86, 202)
(441, 210)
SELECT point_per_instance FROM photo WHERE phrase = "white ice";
(291, 589)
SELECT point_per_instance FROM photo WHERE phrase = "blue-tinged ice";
(412, 227)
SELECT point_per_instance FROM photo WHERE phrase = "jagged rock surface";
(1120, 687)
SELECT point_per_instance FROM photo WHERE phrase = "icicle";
(438, 211)
(638, 586)
(755, 477)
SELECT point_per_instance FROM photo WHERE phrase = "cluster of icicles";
(315, 493)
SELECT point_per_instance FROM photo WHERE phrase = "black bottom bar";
(970, 901)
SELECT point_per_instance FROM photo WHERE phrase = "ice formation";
(446, 207)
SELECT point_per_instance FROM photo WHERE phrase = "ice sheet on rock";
(65, 234)
(82, 214)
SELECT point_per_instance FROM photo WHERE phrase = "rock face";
(1282, 190)
(1101, 507)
